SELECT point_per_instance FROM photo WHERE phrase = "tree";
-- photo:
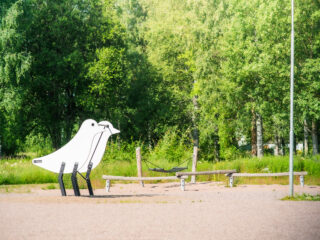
(170, 49)
(57, 40)
(242, 68)
(15, 63)
(308, 58)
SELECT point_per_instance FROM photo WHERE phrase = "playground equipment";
(182, 176)
(81, 154)
(233, 175)
(160, 169)
(141, 179)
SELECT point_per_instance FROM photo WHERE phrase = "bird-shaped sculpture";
(81, 154)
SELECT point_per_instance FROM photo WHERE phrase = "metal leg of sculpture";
(88, 179)
(60, 180)
(74, 180)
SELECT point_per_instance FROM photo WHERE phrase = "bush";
(117, 151)
(36, 143)
(173, 148)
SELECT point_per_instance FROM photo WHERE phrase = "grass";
(50, 186)
(130, 201)
(26, 188)
(22, 171)
(120, 161)
(303, 197)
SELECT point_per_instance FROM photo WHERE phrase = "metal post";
(231, 180)
(88, 179)
(182, 183)
(291, 101)
(60, 180)
(301, 180)
(74, 180)
(107, 185)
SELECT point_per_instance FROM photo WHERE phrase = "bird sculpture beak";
(111, 128)
(114, 131)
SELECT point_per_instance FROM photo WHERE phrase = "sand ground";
(161, 211)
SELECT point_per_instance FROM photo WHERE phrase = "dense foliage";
(209, 73)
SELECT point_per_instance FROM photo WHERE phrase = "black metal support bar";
(88, 179)
(74, 180)
(94, 151)
(60, 180)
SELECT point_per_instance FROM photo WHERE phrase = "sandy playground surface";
(205, 210)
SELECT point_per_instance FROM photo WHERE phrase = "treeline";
(217, 71)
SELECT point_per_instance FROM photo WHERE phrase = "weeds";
(50, 186)
(172, 150)
(303, 197)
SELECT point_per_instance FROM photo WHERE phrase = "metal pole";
(291, 101)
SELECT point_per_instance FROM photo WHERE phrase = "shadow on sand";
(121, 196)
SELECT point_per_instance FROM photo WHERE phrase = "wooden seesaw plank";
(122, 178)
(106, 177)
(179, 174)
(268, 174)
(232, 175)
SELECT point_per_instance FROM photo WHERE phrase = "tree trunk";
(283, 150)
(305, 137)
(295, 143)
(277, 146)
(195, 132)
(195, 136)
(149, 137)
(314, 133)
(68, 131)
(119, 136)
(259, 136)
(194, 163)
(253, 135)
(56, 138)
(216, 148)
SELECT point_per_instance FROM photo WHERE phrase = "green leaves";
(150, 65)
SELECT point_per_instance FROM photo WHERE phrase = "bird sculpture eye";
(92, 124)
(107, 126)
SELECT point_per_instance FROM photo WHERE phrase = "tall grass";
(171, 151)
(17, 171)
(271, 164)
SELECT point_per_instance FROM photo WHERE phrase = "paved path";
(161, 211)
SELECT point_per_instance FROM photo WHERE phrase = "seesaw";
(81, 154)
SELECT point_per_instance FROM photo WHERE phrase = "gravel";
(205, 210)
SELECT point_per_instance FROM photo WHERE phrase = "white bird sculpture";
(81, 154)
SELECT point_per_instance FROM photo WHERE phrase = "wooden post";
(139, 169)
(194, 163)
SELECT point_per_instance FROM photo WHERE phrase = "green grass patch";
(22, 171)
(50, 186)
(120, 160)
(303, 197)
